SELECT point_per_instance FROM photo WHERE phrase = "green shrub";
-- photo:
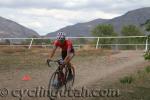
(147, 55)
(147, 69)
(127, 80)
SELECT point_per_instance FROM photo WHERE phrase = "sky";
(45, 16)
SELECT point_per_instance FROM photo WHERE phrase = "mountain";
(11, 29)
(79, 29)
(134, 17)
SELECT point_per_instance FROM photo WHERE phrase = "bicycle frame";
(59, 70)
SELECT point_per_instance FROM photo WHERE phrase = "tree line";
(105, 30)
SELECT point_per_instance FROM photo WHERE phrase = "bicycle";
(60, 77)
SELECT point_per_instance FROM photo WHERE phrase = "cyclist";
(67, 52)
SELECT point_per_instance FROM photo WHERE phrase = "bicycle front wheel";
(53, 86)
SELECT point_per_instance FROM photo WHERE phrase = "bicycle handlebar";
(58, 61)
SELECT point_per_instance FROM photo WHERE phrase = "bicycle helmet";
(61, 36)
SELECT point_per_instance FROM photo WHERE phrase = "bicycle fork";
(61, 77)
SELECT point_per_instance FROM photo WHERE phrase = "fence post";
(136, 47)
(30, 43)
(97, 43)
(146, 47)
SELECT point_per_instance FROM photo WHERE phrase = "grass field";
(35, 58)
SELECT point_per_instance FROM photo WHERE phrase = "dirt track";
(88, 71)
(107, 66)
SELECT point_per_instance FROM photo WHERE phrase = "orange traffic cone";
(26, 78)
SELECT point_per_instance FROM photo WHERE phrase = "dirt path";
(88, 71)
(102, 67)
(108, 69)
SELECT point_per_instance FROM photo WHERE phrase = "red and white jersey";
(65, 46)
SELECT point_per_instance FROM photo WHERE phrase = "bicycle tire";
(69, 83)
(50, 87)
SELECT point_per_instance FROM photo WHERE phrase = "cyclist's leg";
(71, 55)
(70, 65)
(63, 55)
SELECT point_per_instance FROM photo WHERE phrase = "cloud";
(116, 6)
(49, 4)
(49, 15)
(45, 21)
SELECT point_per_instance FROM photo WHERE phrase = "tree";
(37, 41)
(7, 42)
(147, 28)
(146, 25)
(131, 30)
(104, 30)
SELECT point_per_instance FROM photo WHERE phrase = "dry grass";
(36, 57)
(11, 50)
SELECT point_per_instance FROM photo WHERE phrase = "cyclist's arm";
(53, 52)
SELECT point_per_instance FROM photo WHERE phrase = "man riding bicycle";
(67, 52)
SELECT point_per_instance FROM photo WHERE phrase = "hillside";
(134, 17)
(11, 29)
(79, 29)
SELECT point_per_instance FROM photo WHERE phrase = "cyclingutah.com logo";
(40, 91)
